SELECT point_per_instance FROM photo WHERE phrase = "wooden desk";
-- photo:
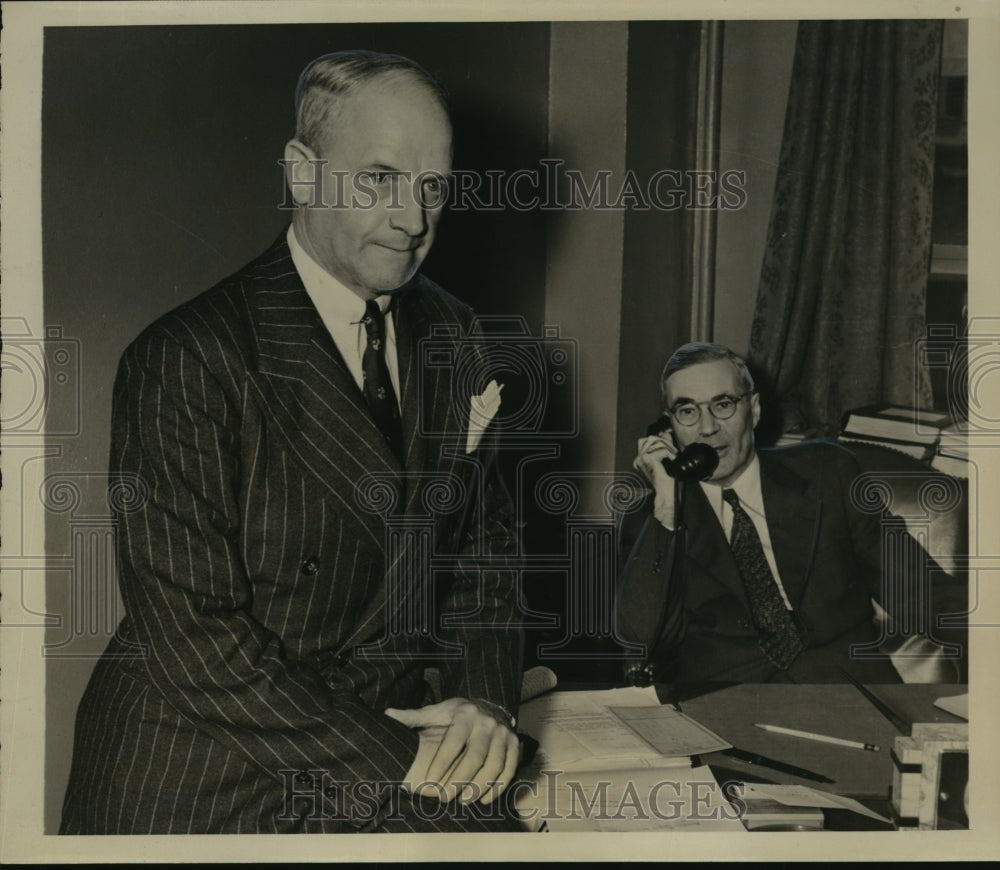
(835, 709)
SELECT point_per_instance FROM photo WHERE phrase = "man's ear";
(304, 173)
(755, 408)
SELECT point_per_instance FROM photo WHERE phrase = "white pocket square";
(481, 413)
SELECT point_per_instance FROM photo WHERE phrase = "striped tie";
(378, 389)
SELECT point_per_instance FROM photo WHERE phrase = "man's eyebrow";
(687, 400)
(387, 167)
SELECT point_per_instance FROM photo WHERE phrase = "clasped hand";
(465, 751)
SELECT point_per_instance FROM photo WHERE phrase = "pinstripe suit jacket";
(275, 569)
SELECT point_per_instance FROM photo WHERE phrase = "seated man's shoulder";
(810, 450)
(814, 457)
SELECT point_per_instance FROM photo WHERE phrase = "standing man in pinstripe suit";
(280, 609)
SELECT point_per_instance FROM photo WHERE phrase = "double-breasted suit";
(832, 557)
(284, 578)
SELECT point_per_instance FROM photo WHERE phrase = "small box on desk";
(931, 777)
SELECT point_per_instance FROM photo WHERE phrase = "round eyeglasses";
(721, 407)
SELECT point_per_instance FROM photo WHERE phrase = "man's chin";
(723, 471)
(727, 473)
(388, 284)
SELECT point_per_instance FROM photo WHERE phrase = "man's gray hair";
(696, 352)
(328, 79)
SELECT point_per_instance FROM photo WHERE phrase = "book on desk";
(766, 813)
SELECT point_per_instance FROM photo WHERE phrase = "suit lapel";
(708, 541)
(411, 324)
(428, 423)
(427, 362)
(793, 518)
(793, 521)
(316, 406)
(312, 398)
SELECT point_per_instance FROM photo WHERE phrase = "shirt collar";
(335, 302)
(747, 487)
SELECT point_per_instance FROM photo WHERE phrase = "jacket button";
(343, 658)
(310, 565)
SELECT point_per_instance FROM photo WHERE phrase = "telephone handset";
(695, 462)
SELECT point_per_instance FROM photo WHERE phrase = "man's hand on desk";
(463, 743)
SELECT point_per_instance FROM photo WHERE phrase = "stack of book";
(907, 430)
(952, 456)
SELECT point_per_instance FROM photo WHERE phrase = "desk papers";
(594, 772)
(669, 731)
(627, 799)
(574, 728)
(585, 728)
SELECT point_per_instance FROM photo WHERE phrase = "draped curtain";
(841, 300)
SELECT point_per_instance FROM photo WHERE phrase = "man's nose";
(408, 213)
(707, 424)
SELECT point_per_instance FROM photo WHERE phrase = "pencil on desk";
(822, 738)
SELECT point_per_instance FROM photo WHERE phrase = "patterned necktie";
(378, 389)
(779, 638)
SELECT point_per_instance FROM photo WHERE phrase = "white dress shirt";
(747, 487)
(341, 311)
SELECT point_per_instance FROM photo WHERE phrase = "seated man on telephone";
(776, 575)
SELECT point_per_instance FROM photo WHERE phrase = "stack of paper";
(618, 760)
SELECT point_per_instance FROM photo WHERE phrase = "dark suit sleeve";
(176, 425)
(649, 602)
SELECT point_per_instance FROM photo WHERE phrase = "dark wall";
(657, 264)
